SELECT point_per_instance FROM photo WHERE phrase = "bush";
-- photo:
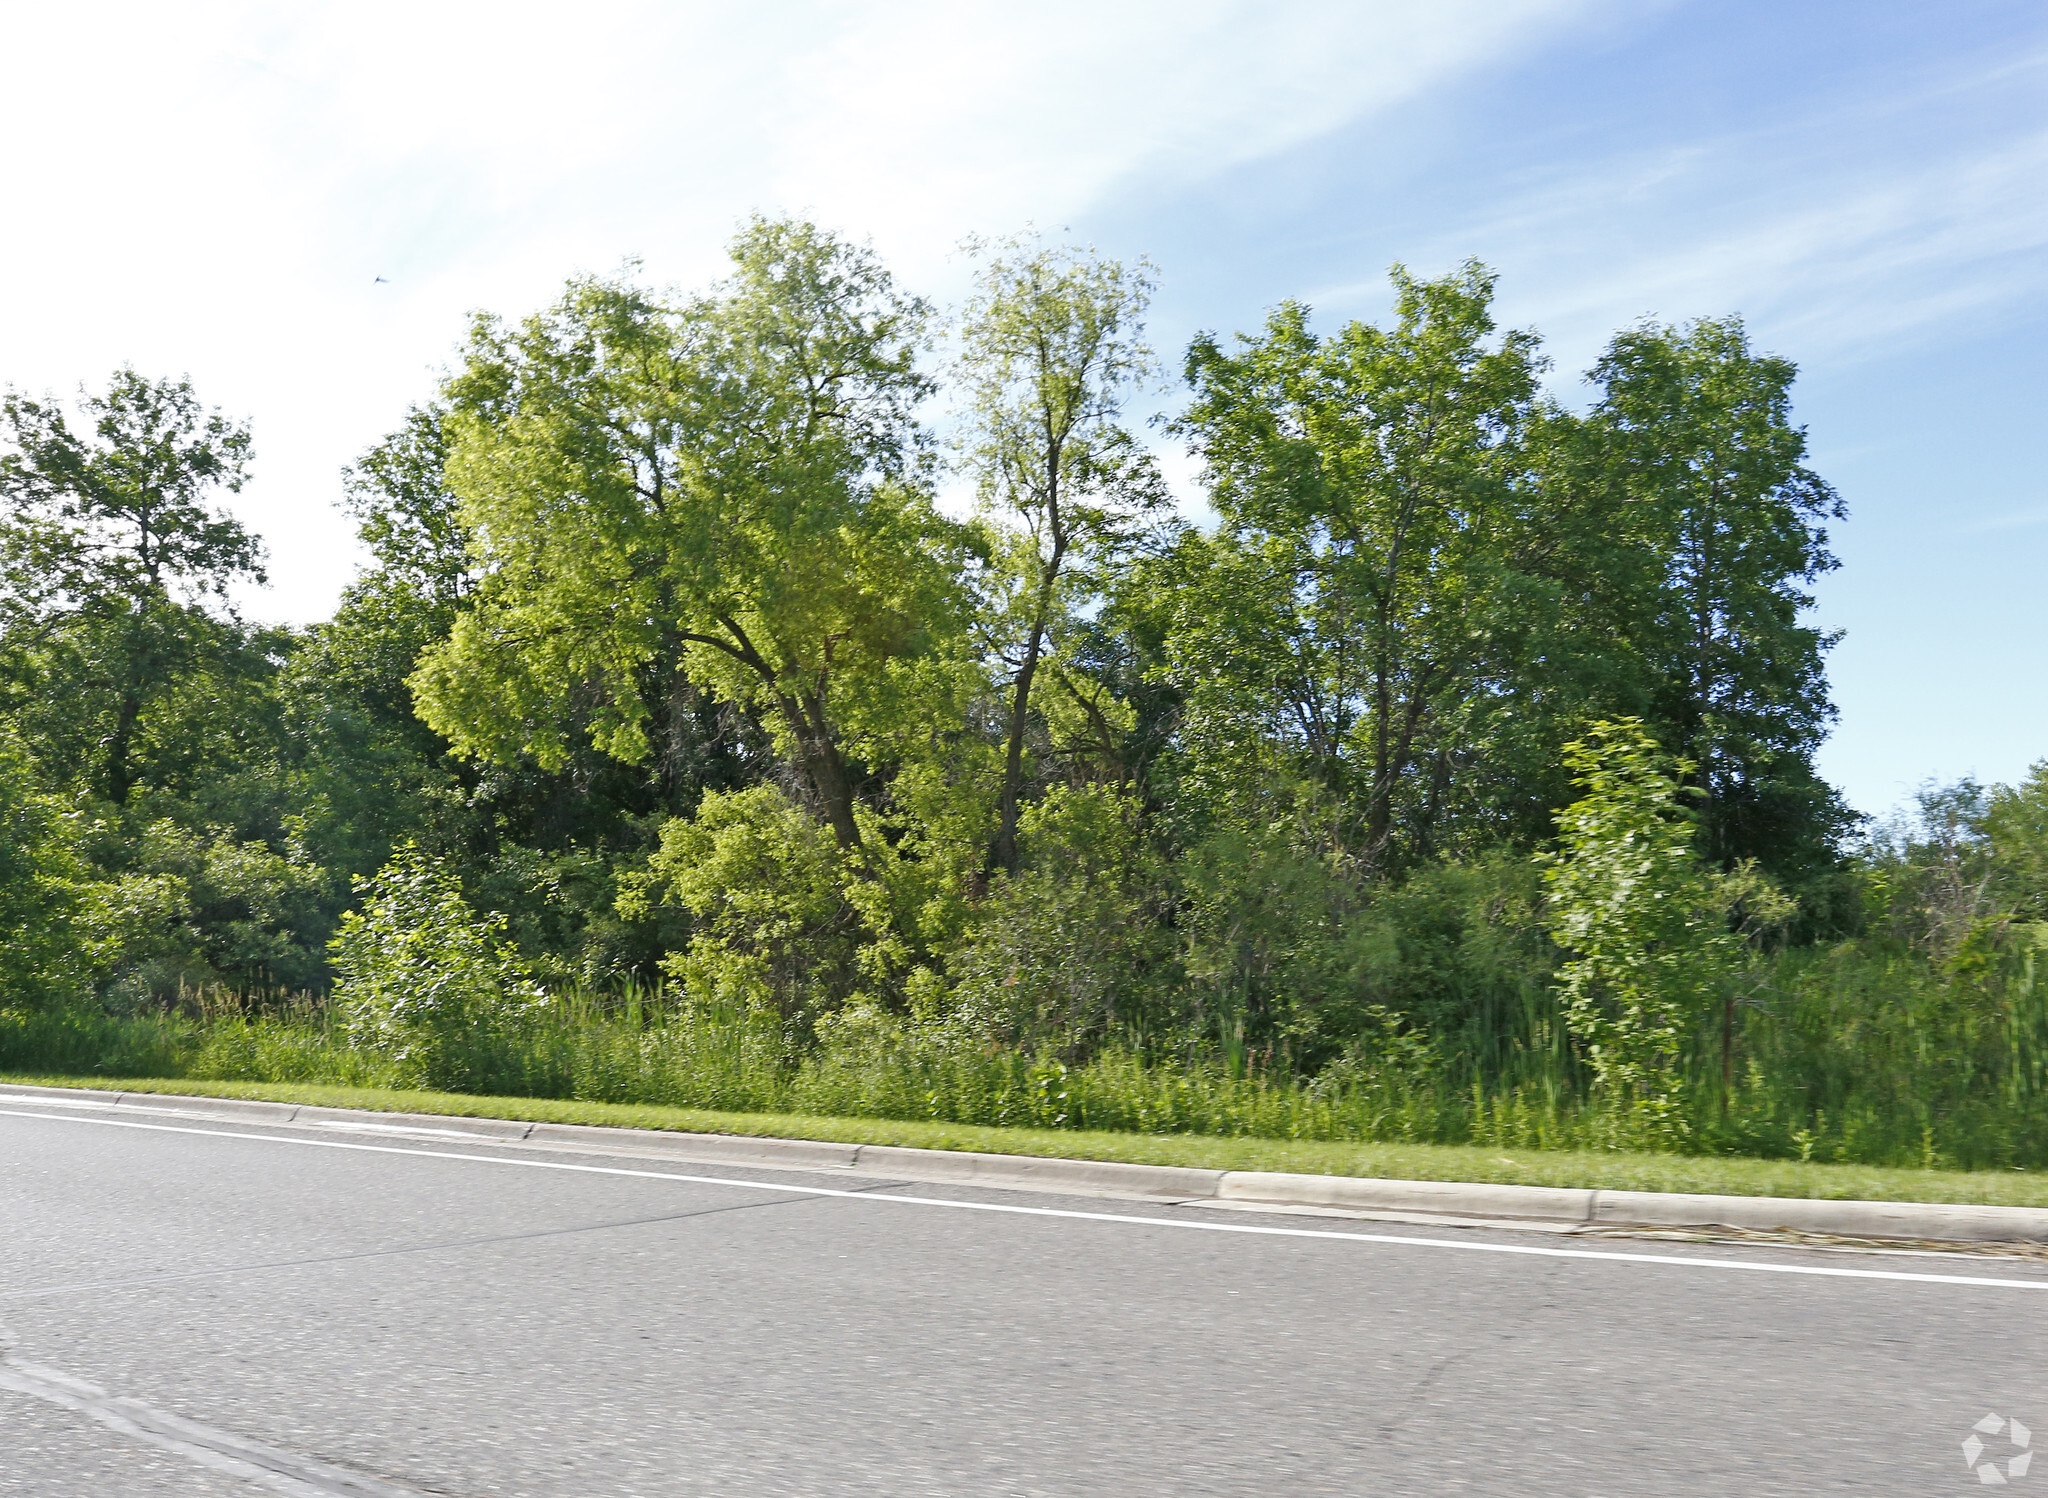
(766, 892)
(1071, 948)
(1647, 926)
(206, 911)
(425, 980)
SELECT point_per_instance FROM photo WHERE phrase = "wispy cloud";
(1867, 263)
(2015, 520)
(216, 186)
(1843, 233)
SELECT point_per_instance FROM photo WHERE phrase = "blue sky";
(213, 189)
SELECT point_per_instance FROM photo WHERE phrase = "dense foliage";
(1457, 782)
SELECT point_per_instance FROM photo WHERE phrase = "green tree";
(110, 556)
(1646, 924)
(367, 772)
(774, 930)
(187, 910)
(2016, 823)
(425, 978)
(1954, 868)
(544, 846)
(1052, 347)
(1070, 948)
(1730, 522)
(405, 512)
(730, 482)
(1361, 610)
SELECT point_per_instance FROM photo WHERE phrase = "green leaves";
(725, 488)
(775, 930)
(423, 976)
(1363, 598)
(124, 509)
(109, 550)
(194, 911)
(1051, 348)
(1426, 574)
(1647, 925)
(44, 958)
(1728, 527)
(398, 492)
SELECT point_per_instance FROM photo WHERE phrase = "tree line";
(670, 666)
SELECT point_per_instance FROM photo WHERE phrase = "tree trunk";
(824, 767)
(119, 774)
(1004, 855)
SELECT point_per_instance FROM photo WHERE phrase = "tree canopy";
(725, 489)
(115, 566)
(785, 642)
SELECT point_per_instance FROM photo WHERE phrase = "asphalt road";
(396, 1318)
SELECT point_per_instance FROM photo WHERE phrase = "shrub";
(208, 910)
(424, 978)
(1067, 950)
(766, 893)
(1647, 925)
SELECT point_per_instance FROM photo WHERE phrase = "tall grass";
(1856, 1053)
(1841, 1054)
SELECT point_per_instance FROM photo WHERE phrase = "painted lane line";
(1819, 1271)
(218, 1450)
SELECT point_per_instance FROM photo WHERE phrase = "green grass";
(1603, 1170)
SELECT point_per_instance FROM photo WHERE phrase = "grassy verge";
(1603, 1170)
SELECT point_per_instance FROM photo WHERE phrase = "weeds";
(1850, 1055)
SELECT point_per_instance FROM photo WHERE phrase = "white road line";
(1253, 1229)
(217, 1450)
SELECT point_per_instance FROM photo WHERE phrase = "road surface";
(198, 1309)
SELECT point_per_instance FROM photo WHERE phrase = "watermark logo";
(2017, 1437)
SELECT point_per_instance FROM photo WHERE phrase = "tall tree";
(117, 565)
(405, 512)
(368, 772)
(730, 481)
(1381, 548)
(423, 580)
(1052, 348)
(1732, 525)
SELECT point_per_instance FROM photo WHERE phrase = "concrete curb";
(1039, 1173)
(1163, 1183)
(733, 1149)
(1367, 1194)
(1848, 1219)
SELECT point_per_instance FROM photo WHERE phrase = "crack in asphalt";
(139, 1281)
(223, 1451)
(1499, 1338)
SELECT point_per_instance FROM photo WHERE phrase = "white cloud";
(958, 114)
(1830, 233)
(214, 188)
(1868, 263)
